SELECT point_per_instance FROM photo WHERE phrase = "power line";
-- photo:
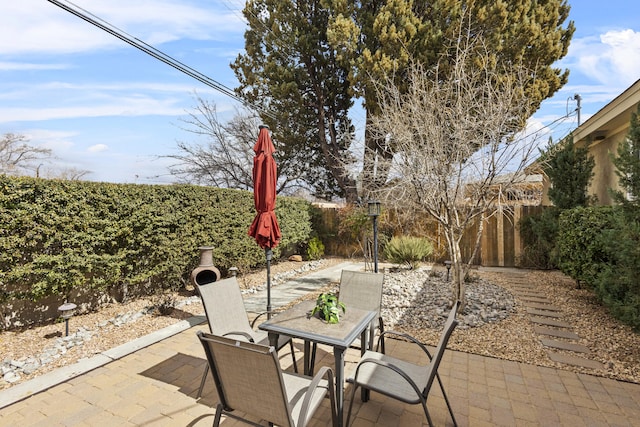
(156, 53)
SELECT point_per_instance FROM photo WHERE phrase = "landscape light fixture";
(374, 212)
(448, 265)
(66, 312)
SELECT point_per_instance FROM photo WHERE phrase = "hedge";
(600, 247)
(581, 249)
(59, 235)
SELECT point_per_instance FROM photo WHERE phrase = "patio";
(156, 385)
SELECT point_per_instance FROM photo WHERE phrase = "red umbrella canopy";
(265, 228)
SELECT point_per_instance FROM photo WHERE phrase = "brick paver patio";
(156, 386)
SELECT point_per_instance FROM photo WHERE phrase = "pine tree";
(307, 61)
(627, 164)
(618, 285)
(290, 70)
(376, 38)
(570, 170)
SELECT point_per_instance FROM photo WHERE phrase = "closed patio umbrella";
(265, 228)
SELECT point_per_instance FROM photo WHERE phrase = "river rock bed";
(14, 369)
(421, 298)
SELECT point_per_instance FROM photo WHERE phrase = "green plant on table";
(328, 307)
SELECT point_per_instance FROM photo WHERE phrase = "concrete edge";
(57, 376)
(60, 375)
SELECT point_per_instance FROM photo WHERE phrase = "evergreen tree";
(628, 165)
(307, 61)
(375, 38)
(290, 70)
(617, 284)
(570, 170)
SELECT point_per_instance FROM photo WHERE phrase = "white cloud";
(58, 141)
(612, 58)
(98, 148)
(37, 26)
(126, 107)
(25, 66)
(62, 100)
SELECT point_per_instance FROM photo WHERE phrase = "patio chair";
(227, 316)
(401, 380)
(361, 290)
(249, 379)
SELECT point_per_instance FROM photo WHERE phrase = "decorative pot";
(205, 272)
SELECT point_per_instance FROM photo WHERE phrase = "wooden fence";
(500, 246)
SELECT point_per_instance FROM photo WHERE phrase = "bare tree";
(457, 148)
(70, 174)
(223, 156)
(17, 157)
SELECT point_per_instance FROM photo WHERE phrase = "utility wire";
(152, 51)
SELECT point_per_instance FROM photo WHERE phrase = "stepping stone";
(549, 322)
(540, 306)
(555, 333)
(527, 297)
(562, 345)
(528, 293)
(544, 313)
(531, 292)
(574, 360)
(541, 300)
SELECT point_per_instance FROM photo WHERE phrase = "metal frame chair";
(227, 316)
(401, 380)
(361, 290)
(249, 379)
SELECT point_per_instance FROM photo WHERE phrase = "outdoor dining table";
(297, 322)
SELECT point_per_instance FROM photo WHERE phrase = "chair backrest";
(248, 378)
(224, 307)
(449, 326)
(361, 289)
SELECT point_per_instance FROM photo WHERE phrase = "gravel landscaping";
(495, 323)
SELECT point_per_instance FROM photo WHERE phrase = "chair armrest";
(389, 366)
(259, 315)
(407, 337)
(324, 371)
(244, 334)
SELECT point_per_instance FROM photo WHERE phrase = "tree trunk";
(376, 162)
(333, 159)
(459, 272)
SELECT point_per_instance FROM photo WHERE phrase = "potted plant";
(328, 307)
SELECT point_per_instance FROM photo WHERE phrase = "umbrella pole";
(269, 254)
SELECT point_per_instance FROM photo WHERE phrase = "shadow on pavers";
(180, 370)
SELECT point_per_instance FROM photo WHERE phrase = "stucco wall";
(605, 177)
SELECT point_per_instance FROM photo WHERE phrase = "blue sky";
(104, 106)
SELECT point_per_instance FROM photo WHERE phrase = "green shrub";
(581, 248)
(315, 249)
(539, 232)
(616, 283)
(58, 236)
(600, 248)
(408, 249)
